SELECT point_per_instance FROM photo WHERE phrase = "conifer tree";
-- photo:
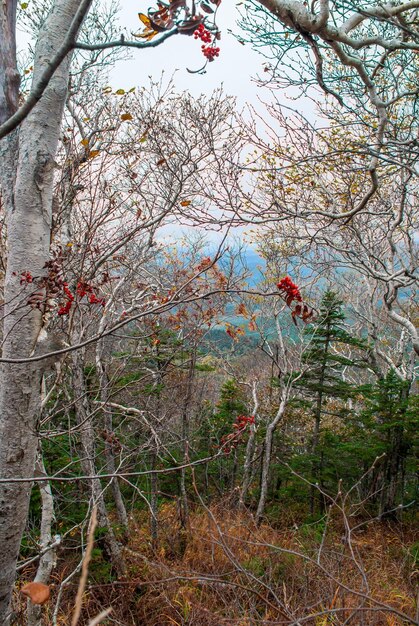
(325, 361)
(391, 410)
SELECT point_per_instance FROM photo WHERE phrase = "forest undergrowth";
(223, 569)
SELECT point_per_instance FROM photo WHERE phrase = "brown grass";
(223, 570)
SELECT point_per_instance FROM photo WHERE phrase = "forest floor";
(224, 570)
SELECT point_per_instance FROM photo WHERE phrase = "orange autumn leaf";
(126, 117)
(149, 31)
(38, 593)
(145, 20)
(186, 202)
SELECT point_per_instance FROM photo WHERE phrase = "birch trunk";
(26, 180)
(266, 461)
(250, 451)
(47, 560)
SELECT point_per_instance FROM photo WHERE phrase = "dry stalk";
(85, 568)
(96, 620)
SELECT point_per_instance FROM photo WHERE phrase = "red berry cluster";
(65, 308)
(83, 289)
(26, 277)
(230, 442)
(210, 52)
(203, 34)
(290, 290)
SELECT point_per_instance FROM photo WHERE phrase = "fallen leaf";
(38, 593)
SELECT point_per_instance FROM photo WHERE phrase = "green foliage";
(128, 379)
(324, 356)
(100, 569)
(232, 402)
(413, 552)
(255, 565)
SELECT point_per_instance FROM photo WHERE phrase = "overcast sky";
(234, 68)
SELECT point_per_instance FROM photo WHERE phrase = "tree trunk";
(250, 452)
(154, 503)
(247, 466)
(184, 508)
(26, 180)
(315, 465)
(394, 463)
(109, 447)
(47, 560)
(266, 461)
(87, 461)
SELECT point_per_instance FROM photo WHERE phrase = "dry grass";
(226, 571)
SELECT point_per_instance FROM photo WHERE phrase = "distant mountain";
(255, 264)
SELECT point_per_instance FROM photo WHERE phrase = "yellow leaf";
(24, 5)
(144, 19)
(120, 92)
(93, 153)
(84, 142)
(126, 117)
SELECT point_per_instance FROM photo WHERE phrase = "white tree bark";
(27, 192)
(47, 560)
(270, 431)
(250, 450)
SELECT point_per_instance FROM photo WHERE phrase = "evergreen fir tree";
(392, 411)
(325, 362)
